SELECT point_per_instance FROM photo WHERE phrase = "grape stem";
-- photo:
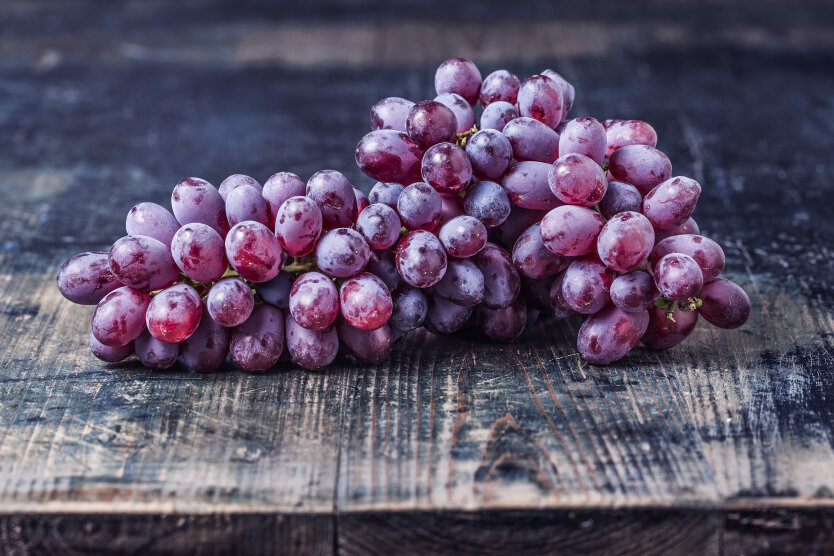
(300, 264)
(669, 305)
(463, 136)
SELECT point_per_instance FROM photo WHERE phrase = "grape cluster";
(480, 227)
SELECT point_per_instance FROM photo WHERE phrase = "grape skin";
(663, 332)
(678, 276)
(503, 325)
(532, 140)
(230, 302)
(236, 180)
(110, 354)
(174, 313)
(298, 225)
(488, 202)
(621, 133)
(379, 225)
(362, 201)
(688, 227)
(707, 253)
(419, 207)
(421, 259)
(463, 283)
(256, 345)
(517, 221)
(533, 259)
(640, 165)
(527, 187)
(314, 301)
(725, 304)
(570, 230)
(280, 187)
(386, 193)
(390, 113)
(577, 180)
(502, 283)
(499, 85)
(333, 193)
(410, 306)
(586, 284)
(447, 168)
(568, 91)
(464, 115)
(142, 263)
(625, 241)
(365, 301)
(620, 197)
(276, 292)
(199, 252)
(246, 203)
(560, 307)
(445, 316)
(431, 122)
(119, 317)
(584, 136)
(450, 207)
(86, 278)
(389, 156)
(383, 265)
(536, 293)
(254, 252)
(671, 203)
(311, 349)
(205, 350)
(368, 346)
(540, 98)
(490, 154)
(610, 334)
(196, 200)
(497, 115)
(460, 76)
(152, 220)
(463, 236)
(633, 291)
(154, 353)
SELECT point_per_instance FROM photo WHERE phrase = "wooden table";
(724, 444)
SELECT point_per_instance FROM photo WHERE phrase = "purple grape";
(497, 115)
(640, 165)
(568, 92)
(386, 193)
(110, 354)
(536, 293)
(196, 200)
(560, 307)
(205, 350)
(174, 313)
(333, 193)
(276, 292)
(311, 349)
(365, 301)
(584, 136)
(379, 225)
(620, 197)
(503, 325)
(230, 302)
(533, 259)
(464, 115)
(246, 203)
(540, 98)
(671, 203)
(532, 140)
(625, 241)
(383, 264)
(463, 236)
(254, 252)
(368, 346)
(143, 263)
(236, 180)
(298, 224)
(199, 252)
(490, 153)
(488, 202)
(462, 284)
(450, 207)
(314, 301)
(517, 221)
(421, 259)
(445, 316)
(86, 278)
(663, 332)
(280, 187)
(389, 156)
(687, 228)
(154, 353)
(362, 201)
(459, 76)
(526, 186)
(577, 180)
(570, 230)
(678, 276)
(725, 304)
(633, 291)
(502, 283)
(410, 306)
(621, 133)
(342, 252)
(152, 220)
(707, 253)
(256, 345)
(586, 284)
(431, 122)
(447, 168)
(419, 207)
(610, 334)
(499, 85)
(390, 113)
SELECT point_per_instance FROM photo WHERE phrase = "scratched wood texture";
(723, 444)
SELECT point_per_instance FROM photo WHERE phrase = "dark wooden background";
(724, 444)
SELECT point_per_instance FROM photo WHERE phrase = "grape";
(629, 132)
(410, 306)
(152, 220)
(110, 354)
(539, 97)
(236, 180)
(174, 313)
(431, 122)
(143, 263)
(490, 153)
(333, 193)
(445, 316)
(488, 202)
(86, 278)
(532, 140)
(663, 332)
(450, 207)
(389, 156)
(199, 252)
(570, 230)
(533, 259)
(298, 224)
(419, 207)
(342, 252)
(725, 304)
(688, 227)
(464, 115)
(633, 291)
(311, 349)
(390, 113)
(610, 334)
(383, 265)
(254, 252)
(497, 115)
(421, 259)
(503, 325)
(462, 283)
(379, 225)
(276, 291)
(537, 293)
(362, 201)
(620, 197)
(671, 203)
(517, 221)
(196, 200)
(463, 236)
(386, 193)
(501, 281)
(526, 186)
(499, 85)
(586, 284)
(577, 180)
(365, 301)
(230, 302)
(280, 187)
(640, 165)
(625, 241)
(707, 253)
(368, 346)
(314, 301)
(678, 276)
(205, 350)
(584, 136)
(154, 353)
(447, 168)
(568, 92)
(561, 308)
(246, 203)
(256, 345)
(460, 76)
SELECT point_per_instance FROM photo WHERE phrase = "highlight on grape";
(527, 214)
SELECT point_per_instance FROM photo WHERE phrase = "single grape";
(540, 98)
(311, 349)
(410, 306)
(499, 85)
(678, 276)
(199, 252)
(640, 165)
(256, 345)
(633, 291)
(174, 313)
(342, 252)
(707, 253)
(527, 187)
(447, 168)
(584, 136)
(278, 188)
(688, 227)
(459, 76)
(586, 284)
(725, 304)
(383, 264)
(254, 252)
(86, 278)
(236, 180)
(230, 302)
(568, 91)
(663, 332)
(610, 334)
(533, 259)
(559, 305)
(445, 316)
(571, 231)
(462, 284)
(488, 202)
(154, 353)
(390, 113)
(671, 203)
(620, 197)
(503, 325)
(450, 207)
(365, 301)
(152, 220)
(379, 225)
(333, 193)
(362, 201)
(497, 115)
(389, 156)
(419, 207)
(463, 236)
(502, 283)
(532, 140)
(621, 133)
(205, 350)
(368, 346)
(276, 292)
(577, 180)
(246, 203)
(298, 225)
(386, 193)
(625, 241)
(196, 200)
(517, 221)
(143, 263)
(421, 259)
(431, 122)
(490, 153)
(464, 115)
(110, 354)
(314, 301)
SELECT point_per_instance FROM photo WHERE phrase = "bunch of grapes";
(468, 227)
